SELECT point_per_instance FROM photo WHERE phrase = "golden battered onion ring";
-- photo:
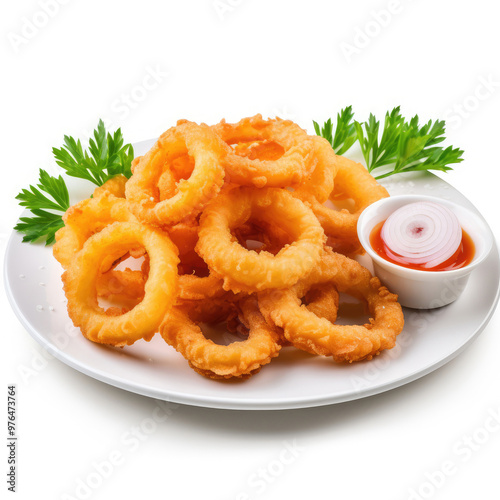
(196, 282)
(114, 186)
(246, 270)
(191, 194)
(320, 183)
(178, 170)
(127, 285)
(352, 180)
(323, 301)
(134, 163)
(90, 216)
(292, 168)
(317, 335)
(262, 236)
(81, 277)
(193, 287)
(262, 150)
(238, 359)
(184, 236)
(120, 289)
(86, 218)
(167, 185)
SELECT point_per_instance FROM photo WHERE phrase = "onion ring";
(134, 163)
(352, 180)
(247, 270)
(80, 284)
(89, 217)
(196, 282)
(126, 283)
(238, 359)
(262, 150)
(86, 218)
(292, 168)
(317, 335)
(191, 194)
(323, 301)
(320, 183)
(262, 236)
(114, 186)
(123, 286)
(422, 233)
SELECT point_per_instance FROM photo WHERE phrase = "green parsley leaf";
(43, 222)
(106, 157)
(413, 148)
(406, 146)
(345, 134)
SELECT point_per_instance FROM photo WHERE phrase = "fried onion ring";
(320, 183)
(114, 186)
(123, 286)
(352, 180)
(292, 168)
(248, 270)
(239, 359)
(81, 277)
(196, 282)
(86, 218)
(323, 301)
(134, 163)
(191, 194)
(316, 335)
(262, 236)
(89, 217)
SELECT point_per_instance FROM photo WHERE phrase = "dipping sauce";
(462, 257)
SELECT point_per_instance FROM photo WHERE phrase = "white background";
(61, 73)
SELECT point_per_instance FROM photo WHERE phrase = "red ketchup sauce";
(462, 257)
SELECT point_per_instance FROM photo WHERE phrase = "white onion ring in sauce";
(424, 233)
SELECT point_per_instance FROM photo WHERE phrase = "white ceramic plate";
(294, 379)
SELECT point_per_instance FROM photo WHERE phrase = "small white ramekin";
(424, 289)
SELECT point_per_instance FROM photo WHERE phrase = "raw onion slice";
(424, 233)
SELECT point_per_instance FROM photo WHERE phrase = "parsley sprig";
(405, 145)
(345, 134)
(43, 222)
(106, 157)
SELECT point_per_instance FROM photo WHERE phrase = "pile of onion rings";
(231, 224)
